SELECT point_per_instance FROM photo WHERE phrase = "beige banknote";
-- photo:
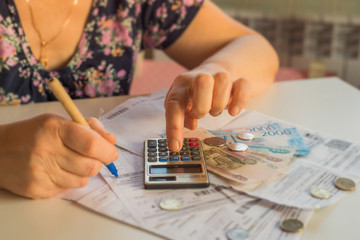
(247, 167)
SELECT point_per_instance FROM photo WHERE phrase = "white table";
(327, 105)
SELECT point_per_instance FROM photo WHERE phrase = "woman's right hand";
(46, 155)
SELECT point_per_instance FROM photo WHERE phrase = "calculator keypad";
(157, 151)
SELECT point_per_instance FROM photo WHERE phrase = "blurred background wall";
(313, 37)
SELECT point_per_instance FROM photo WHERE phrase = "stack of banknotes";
(267, 157)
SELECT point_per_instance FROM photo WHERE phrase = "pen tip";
(112, 169)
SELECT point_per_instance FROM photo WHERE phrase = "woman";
(91, 47)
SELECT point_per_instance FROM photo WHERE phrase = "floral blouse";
(104, 60)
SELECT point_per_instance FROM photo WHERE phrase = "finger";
(79, 165)
(64, 179)
(60, 177)
(87, 142)
(175, 106)
(96, 125)
(222, 92)
(190, 122)
(202, 94)
(240, 96)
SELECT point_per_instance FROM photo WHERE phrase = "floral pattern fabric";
(104, 60)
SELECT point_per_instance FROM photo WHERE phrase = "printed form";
(224, 203)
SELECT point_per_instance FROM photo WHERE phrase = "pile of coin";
(220, 142)
(341, 183)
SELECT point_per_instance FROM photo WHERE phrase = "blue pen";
(112, 169)
(64, 98)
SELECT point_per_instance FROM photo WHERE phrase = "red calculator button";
(194, 144)
(193, 140)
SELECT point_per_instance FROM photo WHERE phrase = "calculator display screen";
(161, 169)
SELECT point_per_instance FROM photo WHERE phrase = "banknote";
(268, 135)
(257, 145)
(247, 167)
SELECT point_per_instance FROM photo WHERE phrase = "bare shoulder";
(210, 30)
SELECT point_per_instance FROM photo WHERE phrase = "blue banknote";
(268, 136)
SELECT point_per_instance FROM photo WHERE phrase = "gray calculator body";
(166, 169)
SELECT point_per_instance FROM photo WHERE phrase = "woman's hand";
(46, 155)
(232, 63)
(207, 89)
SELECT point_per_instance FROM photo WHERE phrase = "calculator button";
(174, 159)
(151, 150)
(194, 144)
(152, 154)
(174, 154)
(162, 144)
(194, 149)
(186, 153)
(162, 141)
(163, 149)
(195, 153)
(196, 158)
(184, 148)
(163, 159)
(163, 154)
(192, 140)
(152, 159)
(185, 158)
(151, 143)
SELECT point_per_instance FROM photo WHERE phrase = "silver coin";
(246, 136)
(215, 141)
(238, 147)
(320, 193)
(237, 234)
(170, 204)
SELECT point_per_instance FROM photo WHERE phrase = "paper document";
(277, 173)
(201, 209)
(327, 159)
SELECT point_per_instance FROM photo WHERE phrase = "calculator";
(166, 169)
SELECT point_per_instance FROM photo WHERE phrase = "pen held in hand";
(64, 98)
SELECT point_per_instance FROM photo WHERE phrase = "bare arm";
(229, 64)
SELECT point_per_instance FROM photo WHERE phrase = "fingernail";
(213, 113)
(235, 110)
(174, 145)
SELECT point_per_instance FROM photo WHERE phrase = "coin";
(345, 184)
(320, 193)
(215, 141)
(237, 234)
(291, 225)
(170, 204)
(238, 147)
(246, 136)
